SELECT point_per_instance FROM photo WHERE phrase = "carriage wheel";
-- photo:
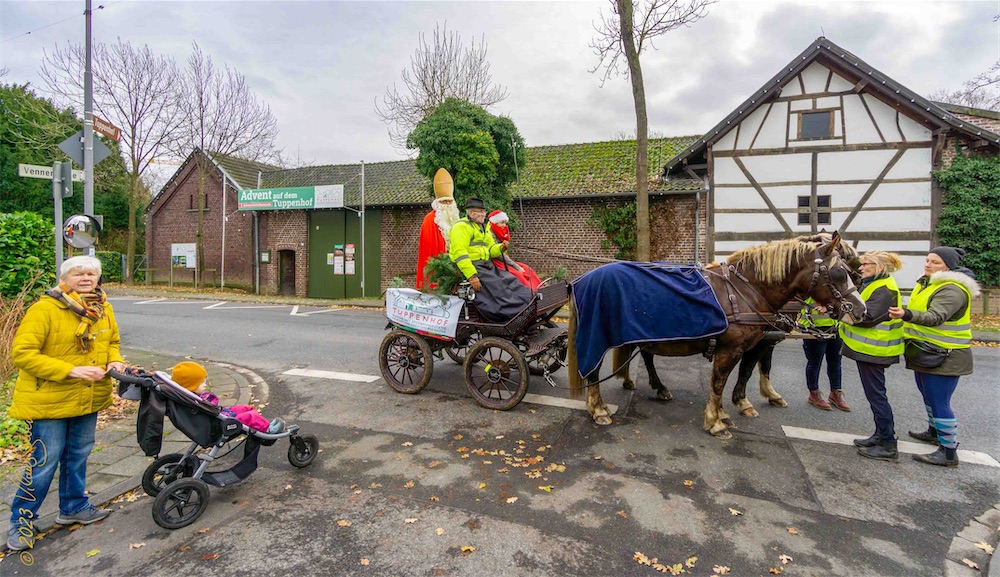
(180, 503)
(405, 361)
(496, 373)
(164, 471)
(458, 353)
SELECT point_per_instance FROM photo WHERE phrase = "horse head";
(831, 280)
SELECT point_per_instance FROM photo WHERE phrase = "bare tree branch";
(623, 36)
(441, 70)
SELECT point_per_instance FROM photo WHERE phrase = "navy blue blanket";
(633, 302)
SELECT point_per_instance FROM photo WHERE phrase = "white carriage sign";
(433, 314)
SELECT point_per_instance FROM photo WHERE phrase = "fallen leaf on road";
(407, 444)
(785, 559)
(408, 485)
(691, 561)
(466, 549)
(641, 559)
(622, 514)
(183, 547)
(688, 483)
(721, 569)
(363, 562)
(435, 499)
(93, 552)
(985, 547)
(505, 470)
(969, 563)
(410, 521)
(372, 486)
(735, 512)
(288, 487)
(482, 485)
(498, 437)
(793, 531)
(512, 499)
(200, 531)
(210, 557)
(343, 523)
(462, 450)
(457, 437)
(546, 488)
(439, 531)
(776, 570)
(136, 545)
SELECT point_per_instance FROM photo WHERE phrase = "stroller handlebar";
(133, 376)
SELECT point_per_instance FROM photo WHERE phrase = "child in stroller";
(180, 481)
(192, 377)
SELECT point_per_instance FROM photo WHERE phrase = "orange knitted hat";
(188, 375)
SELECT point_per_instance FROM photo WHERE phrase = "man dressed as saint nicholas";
(436, 228)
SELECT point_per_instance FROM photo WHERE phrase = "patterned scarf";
(90, 307)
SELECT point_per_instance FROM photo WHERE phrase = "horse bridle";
(822, 274)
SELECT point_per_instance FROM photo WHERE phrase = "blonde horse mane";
(772, 261)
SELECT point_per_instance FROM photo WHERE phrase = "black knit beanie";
(950, 256)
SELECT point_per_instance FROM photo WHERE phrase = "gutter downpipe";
(222, 276)
(362, 215)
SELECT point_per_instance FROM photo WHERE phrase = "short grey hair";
(82, 262)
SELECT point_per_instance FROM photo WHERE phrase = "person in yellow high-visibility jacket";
(499, 295)
(937, 318)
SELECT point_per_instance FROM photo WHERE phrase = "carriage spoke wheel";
(405, 361)
(496, 373)
(458, 353)
(180, 503)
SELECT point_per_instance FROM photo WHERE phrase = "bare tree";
(981, 92)
(623, 36)
(134, 89)
(4, 71)
(221, 116)
(438, 71)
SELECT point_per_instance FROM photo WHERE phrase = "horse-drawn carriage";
(496, 357)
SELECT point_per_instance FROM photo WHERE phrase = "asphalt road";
(432, 484)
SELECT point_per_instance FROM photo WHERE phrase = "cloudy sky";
(322, 65)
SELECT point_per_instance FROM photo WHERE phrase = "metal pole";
(362, 215)
(256, 244)
(222, 281)
(57, 217)
(88, 129)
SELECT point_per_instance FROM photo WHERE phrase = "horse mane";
(772, 261)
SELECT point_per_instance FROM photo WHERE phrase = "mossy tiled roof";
(593, 168)
(386, 183)
(244, 172)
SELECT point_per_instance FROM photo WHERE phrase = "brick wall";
(553, 234)
(284, 230)
(991, 124)
(174, 219)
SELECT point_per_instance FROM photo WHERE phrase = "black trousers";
(873, 380)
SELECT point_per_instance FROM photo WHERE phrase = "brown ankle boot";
(816, 399)
(837, 400)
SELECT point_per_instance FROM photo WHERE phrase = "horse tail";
(575, 380)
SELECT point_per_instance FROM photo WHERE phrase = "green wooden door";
(336, 254)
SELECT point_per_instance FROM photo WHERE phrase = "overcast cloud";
(321, 66)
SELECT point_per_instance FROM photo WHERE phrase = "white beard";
(445, 216)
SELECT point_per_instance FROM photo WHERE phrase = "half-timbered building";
(828, 143)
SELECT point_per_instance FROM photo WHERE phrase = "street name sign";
(106, 128)
(35, 171)
(296, 198)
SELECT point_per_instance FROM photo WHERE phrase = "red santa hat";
(499, 217)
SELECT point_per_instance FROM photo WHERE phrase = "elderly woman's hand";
(91, 374)
(116, 366)
(896, 312)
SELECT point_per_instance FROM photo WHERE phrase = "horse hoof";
(723, 435)
(729, 423)
(750, 412)
(602, 420)
(665, 396)
(628, 385)
(779, 402)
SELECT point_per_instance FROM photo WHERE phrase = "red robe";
(431, 245)
(528, 278)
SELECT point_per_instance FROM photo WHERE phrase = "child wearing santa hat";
(521, 271)
(192, 376)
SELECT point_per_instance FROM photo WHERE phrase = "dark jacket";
(948, 303)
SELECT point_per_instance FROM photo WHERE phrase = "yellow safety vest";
(818, 320)
(470, 242)
(950, 334)
(884, 339)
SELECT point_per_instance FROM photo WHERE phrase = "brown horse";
(752, 283)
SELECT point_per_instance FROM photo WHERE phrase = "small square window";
(816, 125)
(803, 202)
(803, 218)
(823, 218)
(822, 202)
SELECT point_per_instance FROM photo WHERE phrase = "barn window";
(822, 216)
(816, 125)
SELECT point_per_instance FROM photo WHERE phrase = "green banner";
(297, 198)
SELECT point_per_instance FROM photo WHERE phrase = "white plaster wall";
(796, 105)
(921, 246)
(749, 126)
(885, 220)
(791, 87)
(885, 117)
(750, 222)
(887, 194)
(726, 142)
(853, 164)
(840, 84)
(738, 198)
(913, 130)
(772, 135)
(859, 126)
(778, 168)
(726, 172)
(814, 77)
(802, 143)
(915, 163)
(828, 102)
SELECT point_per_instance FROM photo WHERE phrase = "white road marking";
(561, 402)
(972, 457)
(296, 313)
(242, 307)
(332, 375)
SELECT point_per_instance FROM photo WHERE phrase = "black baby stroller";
(179, 481)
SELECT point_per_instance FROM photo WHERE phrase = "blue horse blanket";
(636, 302)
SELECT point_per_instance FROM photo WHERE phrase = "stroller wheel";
(180, 503)
(164, 471)
(303, 450)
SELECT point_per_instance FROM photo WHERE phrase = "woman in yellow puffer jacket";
(64, 347)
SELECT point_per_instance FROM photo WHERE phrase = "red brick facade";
(284, 230)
